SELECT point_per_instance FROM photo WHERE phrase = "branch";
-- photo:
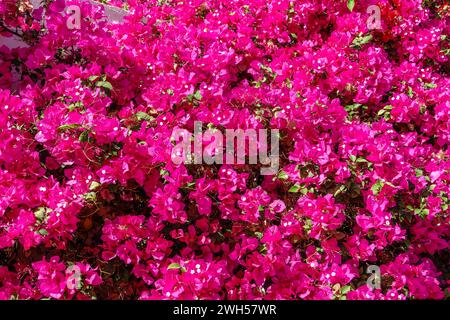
(10, 31)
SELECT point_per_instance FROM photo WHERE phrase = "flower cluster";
(92, 206)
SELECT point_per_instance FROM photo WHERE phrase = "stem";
(9, 30)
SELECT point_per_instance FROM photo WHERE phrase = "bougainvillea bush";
(92, 207)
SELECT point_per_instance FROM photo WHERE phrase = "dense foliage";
(87, 181)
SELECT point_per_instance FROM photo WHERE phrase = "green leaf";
(143, 116)
(94, 185)
(104, 84)
(42, 213)
(362, 160)
(84, 136)
(262, 249)
(340, 190)
(295, 188)
(350, 4)
(67, 127)
(198, 95)
(352, 107)
(43, 232)
(386, 111)
(163, 172)
(390, 184)
(92, 78)
(291, 7)
(445, 51)
(423, 109)
(359, 41)
(283, 175)
(189, 185)
(346, 289)
(195, 98)
(377, 187)
(75, 105)
(173, 266)
(90, 196)
(354, 110)
(430, 85)
(419, 172)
